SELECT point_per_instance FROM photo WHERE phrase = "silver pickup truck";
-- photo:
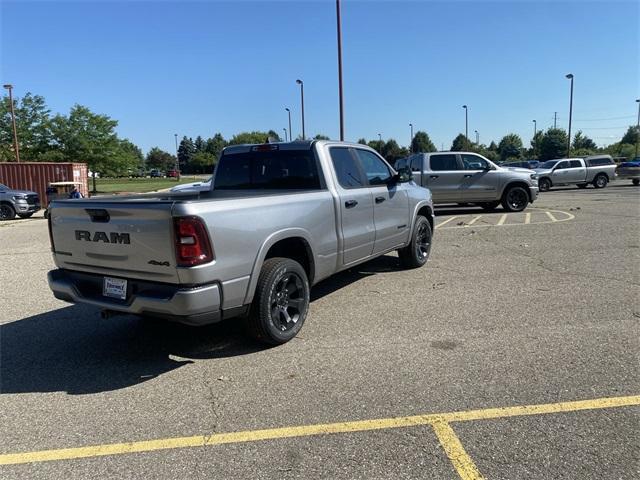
(597, 170)
(466, 177)
(278, 218)
(17, 202)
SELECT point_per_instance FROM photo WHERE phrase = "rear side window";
(562, 165)
(575, 164)
(349, 175)
(271, 170)
(444, 162)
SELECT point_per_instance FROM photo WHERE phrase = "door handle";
(350, 203)
(434, 176)
(379, 199)
(468, 176)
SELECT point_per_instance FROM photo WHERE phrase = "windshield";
(548, 164)
(273, 169)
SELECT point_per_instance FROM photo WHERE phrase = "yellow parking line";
(308, 430)
(527, 218)
(458, 456)
(503, 219)
(550, 215)
(475, 219)
(446, 221)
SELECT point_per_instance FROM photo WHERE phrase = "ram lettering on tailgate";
(111, 237)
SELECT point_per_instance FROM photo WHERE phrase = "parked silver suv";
(17, 202)
(466, 177)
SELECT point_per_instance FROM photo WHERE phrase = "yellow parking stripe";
(550, 215)
(475, 219)
(527, 218)
(308, 430)
(446, 221)
(461, 461)
(503, 219)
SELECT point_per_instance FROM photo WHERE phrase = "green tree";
(362, 141)
(202, 162)
(199, 144)
(157, 158)
(459, 143)
(492, 147)
(274, 136)
(33, 125)
(377, 145)
(215, 145)
(631, 136)
(582, 142)
(392, 151)
(553, 144)
(535, 144)
(510, 147)
(421, 143)
(250, 137)
(186, 150)
(321, 137)
(128, 159)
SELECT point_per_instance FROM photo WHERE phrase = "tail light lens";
(192, 242)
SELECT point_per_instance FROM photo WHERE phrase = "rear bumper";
(193, 306)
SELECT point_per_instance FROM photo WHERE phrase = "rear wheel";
(515, 199)
(636, 181)
(489, 206)
(544, 184)
(7, 212)
(281, 302)
(582, 185)
(600, 181)
(417, 252)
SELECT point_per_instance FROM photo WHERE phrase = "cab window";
(445, 161)
(562, 165)
(346, 168)
(377, 171)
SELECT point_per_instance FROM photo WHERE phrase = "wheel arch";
(293, 243)
(519, 183)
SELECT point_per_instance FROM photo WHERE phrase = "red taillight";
(192, 242)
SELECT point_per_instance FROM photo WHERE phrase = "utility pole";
(290, 132)
(466, 125)
(637, 128)
(555, 118)
(570, 77)
(175, 135)
(16, 148)
(301, 83)
(411, 139)
(340, 70)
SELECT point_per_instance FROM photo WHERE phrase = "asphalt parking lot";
(513, 354)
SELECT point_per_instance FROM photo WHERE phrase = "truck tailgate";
(123, 239)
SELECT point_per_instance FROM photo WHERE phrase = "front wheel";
(600, 181)
(544, 184)
(281, 302)
(7, 212)
(417, 252)
(515, 199)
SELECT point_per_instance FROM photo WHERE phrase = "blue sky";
(196, 68)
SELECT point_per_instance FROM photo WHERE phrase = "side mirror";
(487, 167)
(403, 176)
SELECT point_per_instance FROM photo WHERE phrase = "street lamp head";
(411, 124)
(569, 75)
(638, 100)
(464, 106)
(8, 86)
(287, 109)
(299, 82)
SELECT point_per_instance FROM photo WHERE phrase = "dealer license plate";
(114, 287)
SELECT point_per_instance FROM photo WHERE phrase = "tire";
(416, 254)
(25, 215)
(544, 184)
(636, 181)
(46, 213)
(600, 181)
(7, 212)
(281, 302)
(489, 206)
(582, 185)
(515, 199)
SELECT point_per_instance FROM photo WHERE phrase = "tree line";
(88, 137)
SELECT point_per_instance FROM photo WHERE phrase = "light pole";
(299, 82)
(466, 124)
(477, 137)
(13, 120)
(637, 128)
(340, 70)
(175, 136)
(570, 77)
(411, 139)
(535, 131)
(290, 133)
(380, 142)
(285, 134)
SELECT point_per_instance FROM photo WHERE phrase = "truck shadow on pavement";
(73, 350)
